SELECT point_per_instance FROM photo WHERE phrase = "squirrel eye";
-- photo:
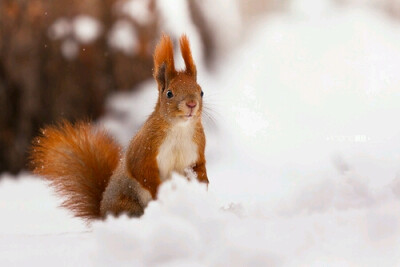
(169, 94)
(202, 93)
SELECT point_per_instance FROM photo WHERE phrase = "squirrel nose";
(191, 104)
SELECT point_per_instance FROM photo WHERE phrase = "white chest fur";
(178, 151)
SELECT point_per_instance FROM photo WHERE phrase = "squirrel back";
(85, 166)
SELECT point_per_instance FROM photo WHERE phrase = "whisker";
(208, 115)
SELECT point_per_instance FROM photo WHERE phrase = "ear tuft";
(164, 67)
(187, 56)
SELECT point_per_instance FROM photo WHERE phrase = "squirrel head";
(180, 96)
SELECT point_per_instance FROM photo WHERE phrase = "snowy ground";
(303, 161)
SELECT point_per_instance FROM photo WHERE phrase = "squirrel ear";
(164, 67)
(187, 56)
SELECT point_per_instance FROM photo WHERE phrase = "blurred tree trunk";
(39, 85)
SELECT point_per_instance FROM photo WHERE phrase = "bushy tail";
(78, 161)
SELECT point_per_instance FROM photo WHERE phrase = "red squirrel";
(85, 165)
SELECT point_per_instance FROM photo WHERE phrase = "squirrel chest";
(178, 151)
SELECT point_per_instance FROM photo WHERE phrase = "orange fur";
(143, 149)
(164, 66)
(83, 163)
(78, 161)
(187, 56)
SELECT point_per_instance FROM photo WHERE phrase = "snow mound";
(183, 227)
(187, 226)
(30, 208)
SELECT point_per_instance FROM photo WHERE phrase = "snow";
(139, 10)
(60, 29)
(82, 29)
(86, 28)
(224, 19)
(123, 37)
(310, 8)
(69, 49)
(185, 228)
(303, 161)
(175, 20)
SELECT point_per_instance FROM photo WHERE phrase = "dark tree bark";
(38, 85)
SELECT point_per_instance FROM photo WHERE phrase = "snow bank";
(186, 226)
(34, 230)
(190, 226)
(30, 208)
